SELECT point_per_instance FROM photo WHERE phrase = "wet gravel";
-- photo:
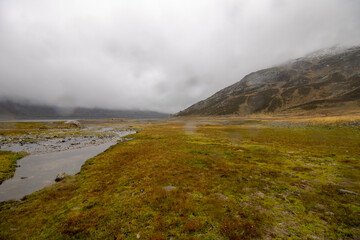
(44, 143)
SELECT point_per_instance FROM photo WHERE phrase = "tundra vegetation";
(8, 164)
(206, 178)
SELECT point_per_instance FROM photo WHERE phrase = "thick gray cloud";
(162, 54)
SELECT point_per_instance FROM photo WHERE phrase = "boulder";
(74, 123)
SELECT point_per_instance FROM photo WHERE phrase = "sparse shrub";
(193, 225)
(160, 223)
(241, 227)
(157, 236)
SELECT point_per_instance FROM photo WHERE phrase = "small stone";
(260, 195)
(138, 236)
(169, 188)
(60, 177)
(329, 213)
(221, 196)
(247, 189)
(347, 191)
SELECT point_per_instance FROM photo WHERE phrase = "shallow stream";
(39, 170)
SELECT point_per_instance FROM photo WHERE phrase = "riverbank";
(8, 164)
(45, 137)
(205, 179)
(59, 149)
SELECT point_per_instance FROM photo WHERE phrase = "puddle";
(39, 170)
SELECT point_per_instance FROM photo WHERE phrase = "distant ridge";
(324, 79)
(10, 110)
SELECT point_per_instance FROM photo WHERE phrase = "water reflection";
(40, 170)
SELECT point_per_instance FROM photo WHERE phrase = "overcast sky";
(159, 55)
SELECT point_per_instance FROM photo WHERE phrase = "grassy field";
(16, 128)
(206, 179)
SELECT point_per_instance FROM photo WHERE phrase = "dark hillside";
(320, 80)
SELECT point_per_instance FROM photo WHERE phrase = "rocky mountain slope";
(324, 79)
(10, 110)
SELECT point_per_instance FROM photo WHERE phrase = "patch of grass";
(16, 128)
(242, 226)
(8, 161)
(247, 181)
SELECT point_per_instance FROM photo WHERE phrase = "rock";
(138, 236)
(60, 177)
(74, 123)
(320, 206)
(260, 195)
(221, 196)
(169, 188)
(347, 191)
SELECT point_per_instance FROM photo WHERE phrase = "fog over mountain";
(324, 81)
(161, 55)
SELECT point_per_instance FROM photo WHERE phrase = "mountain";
(10, 110)
(322, 80)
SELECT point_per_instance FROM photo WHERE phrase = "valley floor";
(206, 178)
